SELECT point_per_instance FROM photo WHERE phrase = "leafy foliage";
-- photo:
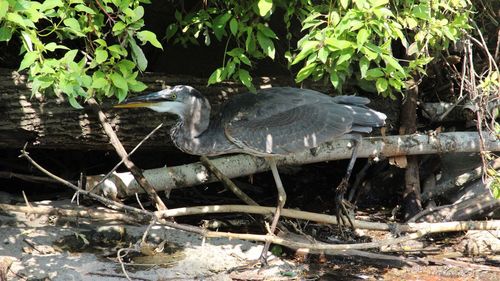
(93, 48)
(79, 48)
(339, 39)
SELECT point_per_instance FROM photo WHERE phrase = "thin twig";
(28, 178)
(119, 257)
(101, 199)
(128, 155)
(104, 274)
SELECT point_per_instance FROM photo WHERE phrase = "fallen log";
(168, 178)
(51, 123)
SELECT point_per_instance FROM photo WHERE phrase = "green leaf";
(138, 14)
(266, 44)
(99, 83)
(28, 60)
(69, 56)
(101, 55)
(74, 25)
(305, 72)
(236, 52)
(396, 84)
(371, 55)
(137, 86)
(119, 81)
(230, 66)
(121, 94)
(345, 55)
(171, 30)
(362, 36)
(381, 85)
(219, 25)
(148, 36)
(338, 44)
(250, 40)
(344, 3)
(323, 55)
(83, 8)
(138, 55)
(421, 11)
(50, 4)
(374, 73)
(376, 3)
(118, 27)
(245, 78)
(233, 26)
(117, 50)
(215, 77)
(5, 33)
(126, 67)
(19, 20)
(364, 64)
(267, 31)
(334, 79)
(243, 58)
(393, 62)
(41, 82)
(264, 7)
(307, 48)
(73, 102)
(4, 7)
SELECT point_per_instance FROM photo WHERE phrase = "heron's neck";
(193, 122)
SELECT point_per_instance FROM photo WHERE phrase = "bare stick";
(321, 218)
(94, 196)
(117, 276)
(227, 182)
(128, 155)
(150, 190)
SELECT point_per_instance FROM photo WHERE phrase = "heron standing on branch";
(273, 122)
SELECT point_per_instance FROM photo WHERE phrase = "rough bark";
(50, 122)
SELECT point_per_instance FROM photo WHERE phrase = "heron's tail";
(364, 118)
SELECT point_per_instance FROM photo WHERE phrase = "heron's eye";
(174, 96)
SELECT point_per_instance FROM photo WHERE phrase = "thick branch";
(241, 165)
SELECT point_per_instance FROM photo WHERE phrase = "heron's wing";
(289, 131)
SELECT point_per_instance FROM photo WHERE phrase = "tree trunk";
(50, 122)
(411, 194)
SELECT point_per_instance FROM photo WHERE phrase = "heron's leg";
(341, 211)
(281, 203)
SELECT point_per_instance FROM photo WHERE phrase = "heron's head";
(179, 100)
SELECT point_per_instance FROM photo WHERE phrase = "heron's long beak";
(144, 100)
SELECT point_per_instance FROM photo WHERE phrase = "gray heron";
(272, 122)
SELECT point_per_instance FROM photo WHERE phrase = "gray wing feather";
(290, 131)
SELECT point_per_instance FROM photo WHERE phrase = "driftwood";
(50, 122)
(240, 165)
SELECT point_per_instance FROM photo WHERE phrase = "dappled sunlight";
(269, 143)
(310, 140)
